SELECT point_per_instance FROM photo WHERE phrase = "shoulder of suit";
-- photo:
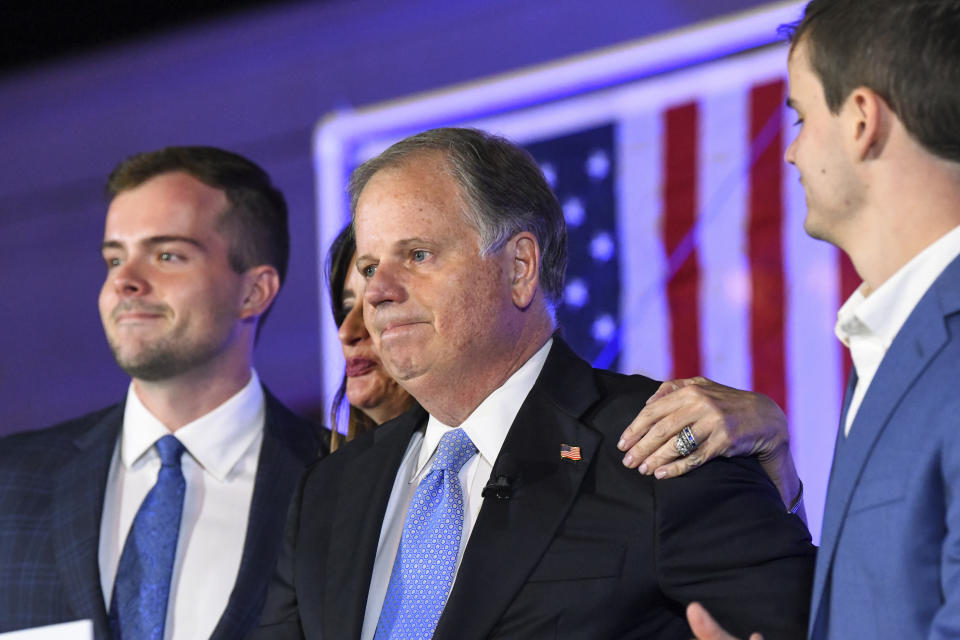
(33, 446)
(616, 383)
(621, 394)
(304, 437)
(393, 434)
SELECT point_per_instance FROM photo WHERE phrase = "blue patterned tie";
(426, 561)
(138, 610)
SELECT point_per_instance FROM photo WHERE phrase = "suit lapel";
(289, 444)
(77, 507)
(920, 339)
(510, 536)
(363, 492)
(823, 559)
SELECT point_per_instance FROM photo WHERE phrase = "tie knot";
(454, 450)
(170, 450)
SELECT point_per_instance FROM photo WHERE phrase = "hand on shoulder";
(723, 421)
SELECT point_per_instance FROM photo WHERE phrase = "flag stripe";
(765, 242)
(646, 336)
(722, 218)
(680, 198)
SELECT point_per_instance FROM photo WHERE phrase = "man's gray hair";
(503, 189)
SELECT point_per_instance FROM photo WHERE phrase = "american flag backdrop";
(686, 243)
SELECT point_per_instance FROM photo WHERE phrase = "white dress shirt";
(867, 325)
(487, 427)
(220, 466)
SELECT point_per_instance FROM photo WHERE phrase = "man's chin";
(818, 233)
(150, 367)
(402, 369)
(149, 372)
(812, 229)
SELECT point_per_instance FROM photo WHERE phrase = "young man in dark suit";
(161, 517)
(499, 507)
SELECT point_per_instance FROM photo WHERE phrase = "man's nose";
(386, 285)
(790, 155)
(128, 279)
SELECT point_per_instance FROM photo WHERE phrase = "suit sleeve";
(946, 620)
(724, 540)
(280, 619)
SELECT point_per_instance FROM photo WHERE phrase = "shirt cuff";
(797, 501)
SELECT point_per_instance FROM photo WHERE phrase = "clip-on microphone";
(500, 484)
(502, 488)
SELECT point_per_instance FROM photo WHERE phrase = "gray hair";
(502, 186)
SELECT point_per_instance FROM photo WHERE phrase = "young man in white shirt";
(195, 247)
(875, 88)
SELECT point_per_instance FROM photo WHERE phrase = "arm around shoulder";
(724, 422)
(724, 540)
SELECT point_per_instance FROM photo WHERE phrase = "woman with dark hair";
(373, 395)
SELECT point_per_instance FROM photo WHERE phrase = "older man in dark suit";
(499, 507)
(161, 517)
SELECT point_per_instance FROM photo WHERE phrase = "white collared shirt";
(220, 466)
(867, 325)
(487, 427)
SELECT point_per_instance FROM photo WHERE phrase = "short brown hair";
(907, 51)
(255, 222)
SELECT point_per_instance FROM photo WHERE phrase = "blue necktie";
(426, 561)
(138, 609)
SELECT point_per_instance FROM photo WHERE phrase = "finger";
(665, 389)
(659, 421)
(660, 437)
(666, 462)
(680, 466)
(670, 386)
(703, 625)
(637, 428)
(649, 416)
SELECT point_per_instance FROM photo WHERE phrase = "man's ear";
(261, 285)
(869, 119)
(524, 264)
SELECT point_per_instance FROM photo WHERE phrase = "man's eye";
(167, 256)
(369, 270)
(420, 255)
(112, 262)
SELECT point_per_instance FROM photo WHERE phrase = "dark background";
(85, 84)
(32, 33)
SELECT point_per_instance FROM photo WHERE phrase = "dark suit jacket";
(889, 565)
(583, 549)
(51, 496)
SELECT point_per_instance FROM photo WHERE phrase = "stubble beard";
(163, 358)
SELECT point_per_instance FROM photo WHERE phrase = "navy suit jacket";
(52, 485)
(583, 549)
(889, 560)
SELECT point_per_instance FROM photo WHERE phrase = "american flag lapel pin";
(569, 452)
